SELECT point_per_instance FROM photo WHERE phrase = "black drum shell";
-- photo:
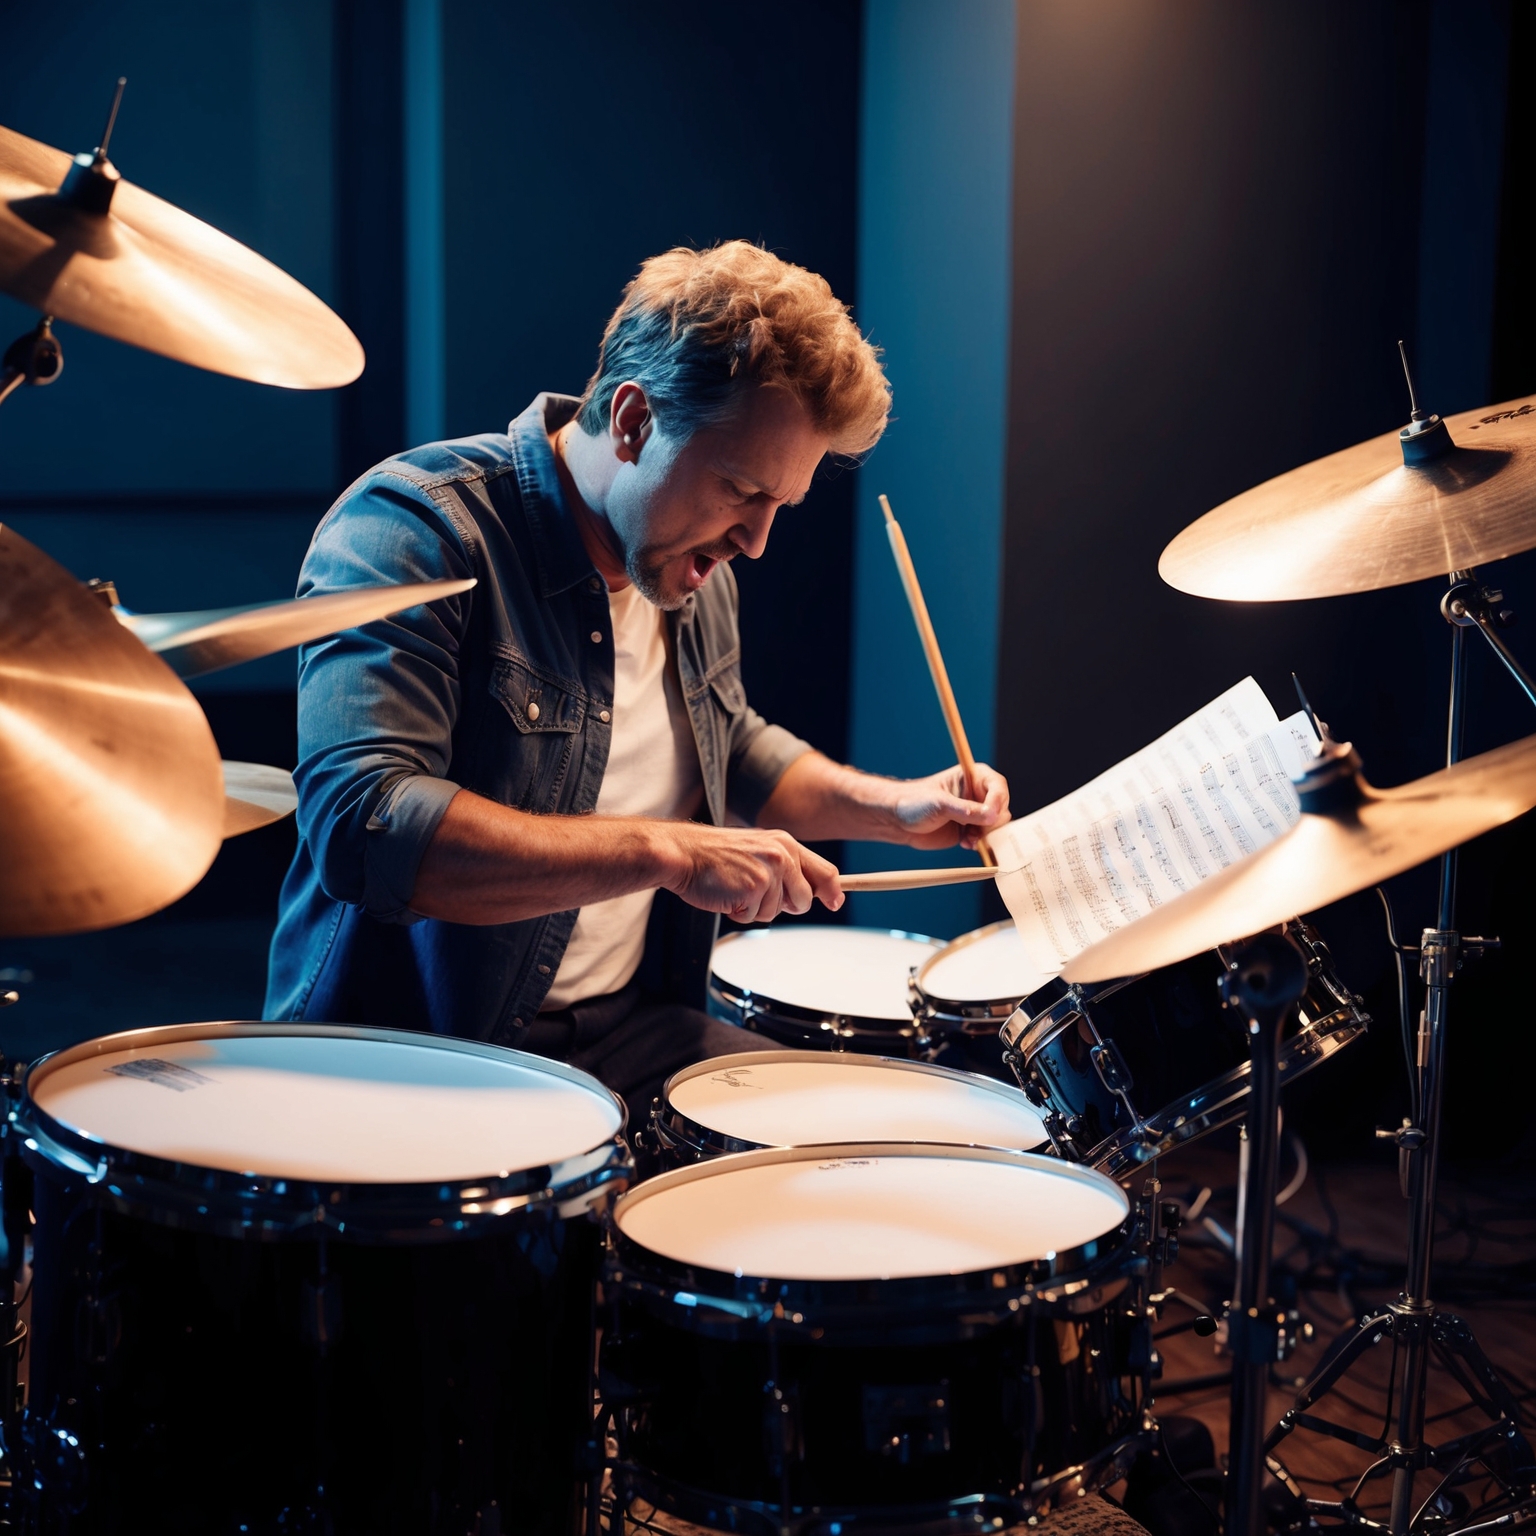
(905, 1395)
(1180, 1055)
(253, 1360)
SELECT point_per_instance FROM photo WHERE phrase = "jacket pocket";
(529, 761)
(538, 701)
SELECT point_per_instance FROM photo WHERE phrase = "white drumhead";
(876, 1217)
(854, 972)
(984, 967)
(801, 1100)
(330, 1108)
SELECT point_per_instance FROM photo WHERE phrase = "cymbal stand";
(1266, 977)
(1419, 1330)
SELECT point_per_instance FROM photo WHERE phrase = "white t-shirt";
(653, 770)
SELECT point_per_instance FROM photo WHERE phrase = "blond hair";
(695, 328)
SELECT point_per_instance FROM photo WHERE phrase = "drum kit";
(321, 1278)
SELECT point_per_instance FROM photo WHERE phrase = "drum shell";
(907, 1395)
(217, 1375)
(941, 1017)
(1130, 1069)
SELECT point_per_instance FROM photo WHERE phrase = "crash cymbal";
(256, 796)
(146, 273)
(1326, 856)
(1363, 518)
(111, 800)
(210, 638)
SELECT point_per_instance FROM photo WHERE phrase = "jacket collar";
(562, 558)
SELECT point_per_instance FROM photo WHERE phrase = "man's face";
(681, 509)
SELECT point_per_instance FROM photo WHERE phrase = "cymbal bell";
(1326, 856)
(205, 639)
(256, 796)
(111, 799)
(1362, 519)
(144, 272)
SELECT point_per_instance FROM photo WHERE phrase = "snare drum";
(795, 1098)
(309, 1278)
(971, 985)
(891, 1336)
(1126, 1070)
(820, 986)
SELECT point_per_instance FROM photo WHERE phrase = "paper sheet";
(1212, 790)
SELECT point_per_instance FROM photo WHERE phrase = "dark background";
(1223, 220)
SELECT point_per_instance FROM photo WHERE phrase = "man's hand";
(748, 875)
(818, 798)
(939, 811)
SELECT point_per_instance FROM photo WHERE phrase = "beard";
(647, 566)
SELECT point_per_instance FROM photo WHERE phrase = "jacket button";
(604, 716)
(597, 637)
(533, 710)
(543, 970)
(517, 1023)
(595, 584)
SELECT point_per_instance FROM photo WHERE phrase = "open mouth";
(699, 567)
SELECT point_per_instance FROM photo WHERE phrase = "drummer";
(522, 808)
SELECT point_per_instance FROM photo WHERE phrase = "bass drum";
(879, 1337)
(820, 987)
(794, 1098)
(1128, 1070)
(310, 1278)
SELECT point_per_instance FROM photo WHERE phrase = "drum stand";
(1416, 1326)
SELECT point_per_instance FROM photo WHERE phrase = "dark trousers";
(633, 1048)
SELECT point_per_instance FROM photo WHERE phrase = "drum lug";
(1111, 1067)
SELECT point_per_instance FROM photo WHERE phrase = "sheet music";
(1212, 790)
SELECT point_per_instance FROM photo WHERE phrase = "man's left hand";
(942, 810)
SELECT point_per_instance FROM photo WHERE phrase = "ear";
(629, 421)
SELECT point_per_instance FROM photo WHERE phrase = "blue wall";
(935, 188)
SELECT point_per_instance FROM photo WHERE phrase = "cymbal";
(146, 273)
(1362, 518)
(1324, 858)
(206, 639)
(111, 801)
(256, 796)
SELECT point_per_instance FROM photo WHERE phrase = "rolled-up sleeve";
(760, 753)
(377, 704)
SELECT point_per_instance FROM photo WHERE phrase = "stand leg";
(1266, 979)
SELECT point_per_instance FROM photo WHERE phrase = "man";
(521, 809)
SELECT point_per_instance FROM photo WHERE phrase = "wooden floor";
(1486, 1264)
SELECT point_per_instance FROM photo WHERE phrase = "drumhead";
(988, 965)
(360, 1107)
(850, 972)
(873, 1212)
(797, 1098)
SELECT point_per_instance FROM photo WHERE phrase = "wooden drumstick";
(936, 667)
(918, 879)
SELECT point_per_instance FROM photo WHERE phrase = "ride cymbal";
(114, 258)
(209, 638)
(111, 799)
(256, 796)
(1363, 518)
(1367, 836)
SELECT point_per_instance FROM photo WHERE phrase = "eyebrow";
(737, 478)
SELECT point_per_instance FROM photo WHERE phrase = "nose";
(751, 535)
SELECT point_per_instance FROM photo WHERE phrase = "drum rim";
(763, 1298)
(752, 1004)
(143, 1182)
(693, 1136)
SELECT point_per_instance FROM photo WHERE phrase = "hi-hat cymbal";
(146, 273)
(1324, 858)
(256, 796)
(209, 638)
(111, 799)
(1362, 518)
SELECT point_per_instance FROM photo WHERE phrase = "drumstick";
(936, 667)
(917, 879)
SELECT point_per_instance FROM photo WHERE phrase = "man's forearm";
(817, 799)
(488, 863)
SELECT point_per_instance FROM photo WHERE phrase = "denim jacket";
(397, 716)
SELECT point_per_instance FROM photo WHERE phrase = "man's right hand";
(750, 876)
